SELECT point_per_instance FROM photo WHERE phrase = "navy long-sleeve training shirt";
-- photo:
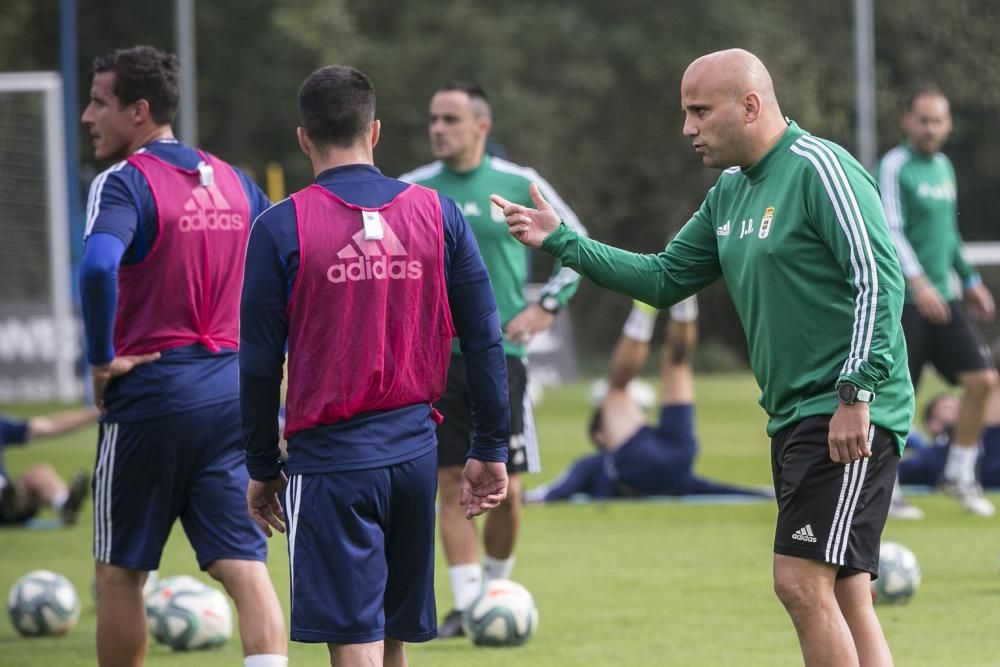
(372, 439)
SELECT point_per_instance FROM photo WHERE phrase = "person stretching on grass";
(634, 458)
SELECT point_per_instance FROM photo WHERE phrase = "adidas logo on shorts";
(804, 534)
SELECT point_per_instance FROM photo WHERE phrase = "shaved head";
(731, 111)
(735, 72)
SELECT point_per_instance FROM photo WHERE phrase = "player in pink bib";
(365, 279)
(160, 282)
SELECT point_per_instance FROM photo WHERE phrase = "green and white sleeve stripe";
(845, 206)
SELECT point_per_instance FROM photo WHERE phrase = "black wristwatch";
(850, 393)
(550, 303)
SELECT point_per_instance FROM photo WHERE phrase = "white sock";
(961, 464)
(59, 499)
(466, 583)
(685, 311)
(641, 321)
(498, 568)
(265, 660)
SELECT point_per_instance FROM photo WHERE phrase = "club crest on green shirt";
(765, 223)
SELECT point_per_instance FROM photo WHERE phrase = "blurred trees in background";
(586, 92)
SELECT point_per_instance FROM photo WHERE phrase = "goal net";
(39, 345)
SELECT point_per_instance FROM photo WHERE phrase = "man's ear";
(304, 144)
(485, 124)
(751, 107)
(140, 111)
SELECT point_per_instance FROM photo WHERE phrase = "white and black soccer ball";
(188, 615)
(43, 603)
(503, 614)
(157, 599)
(898, 574)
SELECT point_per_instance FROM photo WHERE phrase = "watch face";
(847, 392)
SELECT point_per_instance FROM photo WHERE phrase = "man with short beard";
(917, 182)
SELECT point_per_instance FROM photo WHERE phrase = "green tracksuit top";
(918, 194)
(506, 260)
(802, 243)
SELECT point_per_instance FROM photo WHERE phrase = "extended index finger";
(504, 204)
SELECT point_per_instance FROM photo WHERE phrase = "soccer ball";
(43, 603)
(188, 615)
(503, 614)
(157, 599)
(898, 574)
(639, 391)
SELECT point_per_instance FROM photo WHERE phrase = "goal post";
(39, 342)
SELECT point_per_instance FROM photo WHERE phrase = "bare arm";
(57, 423)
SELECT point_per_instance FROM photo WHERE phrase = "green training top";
(918, 194)
(506, 260)
(802, 243)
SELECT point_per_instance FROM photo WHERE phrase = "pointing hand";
(530, 226)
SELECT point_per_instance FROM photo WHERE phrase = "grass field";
(620, 583)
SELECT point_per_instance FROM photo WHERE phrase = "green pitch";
(622, 583)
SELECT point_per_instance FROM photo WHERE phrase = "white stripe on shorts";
(843, 516)
(293, 498)
(104, 479)
(530, 433)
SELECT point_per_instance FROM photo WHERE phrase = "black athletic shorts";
(454, 434)
(952, 348)
(829, 511)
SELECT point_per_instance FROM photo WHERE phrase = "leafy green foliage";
(585, 92)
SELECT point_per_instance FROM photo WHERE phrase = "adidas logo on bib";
(208, 210)
(804, 534)
(382, 259)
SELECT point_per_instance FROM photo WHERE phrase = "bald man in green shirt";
(795, 227)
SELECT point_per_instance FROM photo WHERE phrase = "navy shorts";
(361, 553)
(655, 459)
(829, 511)
(188, 465)
(23, 509)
